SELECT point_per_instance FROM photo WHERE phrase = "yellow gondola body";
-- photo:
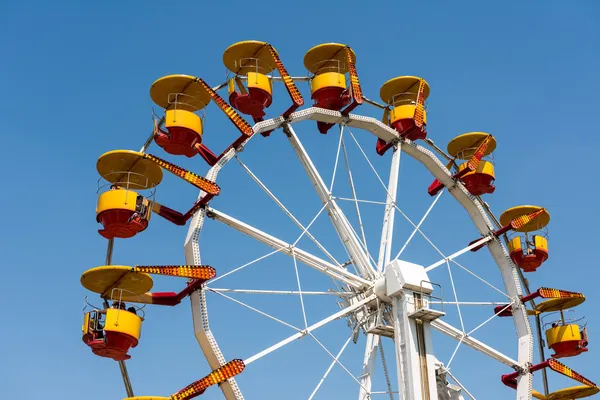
(113, 337)
(401, 96)
(463, 147)
(122, 211)
(528, 251)
(252, 60)
(328, 65)
(181, 96)
(567, 340)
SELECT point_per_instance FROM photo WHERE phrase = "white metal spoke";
(304, 332)
(458, 253)
(245, 265)
(311, 260)
(339, 220)
(368, 161)
(284, 292)
(470, 341)
(255, 310)
(286, 210)
(420, 231)
(385, 245)
(454, 353)
(490, 318)
(337, 357)
(437, 197)
(462, 325)
(481, 279)
(337, 158)
(461, 385)
(470, 303)
(383, 203)
(351, 182)
(336, 360)
(299, 289)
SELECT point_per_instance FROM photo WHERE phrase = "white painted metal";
(470, 341)
(304, 332)
(309, 259)
(472, 205)
(338, 219)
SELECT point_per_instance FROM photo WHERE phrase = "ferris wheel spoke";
(285, 209)
(337, 361)
(461, 385)
(470, 341)
(305, 257)
(481, 279)
(289, 292)
(418, 226)
(338, 218)
(353, 189)
(462, 324)
(332, 364)
(387, 231)
(456, 254)
(299, 289)
(342, 313)
(256, 310)
(418, 229)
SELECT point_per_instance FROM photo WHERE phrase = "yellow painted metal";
(563, 333)
(259, 81)
(85, 328)
(327, 79)
(107, 277)
(191, 94)
(122, 166)
(484, 167)
(401, 90)
(183, 119)
(514, 244)
(118, 199)
(123, 321)
(575, 392)
(249, 56)
(560, 304)
(147, 398)
(538, 395)
(541, 243)
(464, 146)
(538, 223)
(327, 57)
(406, 111)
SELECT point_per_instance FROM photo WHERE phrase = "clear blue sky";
(74, 81)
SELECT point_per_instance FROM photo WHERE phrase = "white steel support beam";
(387, 232)
(366, 377)
(340, 314)
(305, 257)
(202, 331)
(349, 239)
(470, 341)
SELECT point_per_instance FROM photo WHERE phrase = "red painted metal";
(409, 130)
(529, 262)
(252, 103)
(479, 183)
(113, 345)
(117, 224)
(178, 141)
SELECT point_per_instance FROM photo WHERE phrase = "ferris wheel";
(353, 264)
